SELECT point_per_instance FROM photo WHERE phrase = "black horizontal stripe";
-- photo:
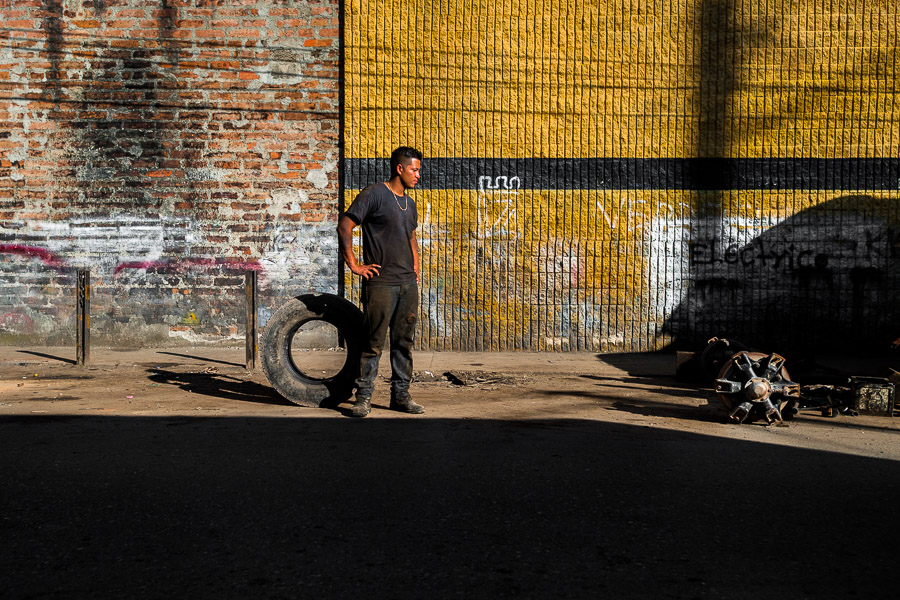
(640, 173)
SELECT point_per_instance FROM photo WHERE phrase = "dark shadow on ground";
(665, 385)
(433, 508)
(202, 359)
(219, 385)
(707, 412)
(50, 356)
(708, 408)
(642, 364)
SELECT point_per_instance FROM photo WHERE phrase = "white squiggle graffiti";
(510, 185)
(629, 207)
(496, 206)
(427, 228)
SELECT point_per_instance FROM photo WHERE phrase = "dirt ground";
(633, 389)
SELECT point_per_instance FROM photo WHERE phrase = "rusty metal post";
(83, 317)
(250, 318)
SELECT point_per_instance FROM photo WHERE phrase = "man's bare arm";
(345, 241)
(415, 252)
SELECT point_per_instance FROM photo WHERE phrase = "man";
(390, 270)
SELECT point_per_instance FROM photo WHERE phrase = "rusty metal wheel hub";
(754, 385)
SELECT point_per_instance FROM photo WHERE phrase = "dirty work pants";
(391, 307)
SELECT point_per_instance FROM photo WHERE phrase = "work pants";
(393, 307)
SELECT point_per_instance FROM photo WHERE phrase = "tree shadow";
(824, 279)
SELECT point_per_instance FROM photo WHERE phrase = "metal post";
(83, 317)
(250, 318)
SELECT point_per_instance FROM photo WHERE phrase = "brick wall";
(170, 146)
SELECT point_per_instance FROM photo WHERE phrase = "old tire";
(275, 347)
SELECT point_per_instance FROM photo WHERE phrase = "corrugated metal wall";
(621, 175)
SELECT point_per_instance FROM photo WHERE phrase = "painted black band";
(640, 173)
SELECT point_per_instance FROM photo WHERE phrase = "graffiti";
(190, 320)
(700, 256)
(16, 322)
(497, 216)
(299, 256)
(783, 255)
(183, 265)
(48, 258)
(863, 244)
(167, 266)
(104, 243)
(502, 183)
(632, 209)
(819, 277)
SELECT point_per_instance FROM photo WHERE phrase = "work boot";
(404, 403)
(361, 407)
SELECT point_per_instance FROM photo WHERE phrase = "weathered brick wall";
(627, 174)
(169, 145)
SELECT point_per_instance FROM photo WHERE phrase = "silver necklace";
(397, 200)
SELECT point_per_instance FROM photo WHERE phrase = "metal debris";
(753, 385)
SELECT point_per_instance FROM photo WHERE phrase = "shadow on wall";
(827, 278)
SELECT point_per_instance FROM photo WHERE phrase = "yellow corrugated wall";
(617, 176)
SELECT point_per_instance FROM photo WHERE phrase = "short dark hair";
(401, 155)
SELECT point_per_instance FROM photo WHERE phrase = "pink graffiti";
(16, 322)
(168, 266)
(47, 257)
(190, 264)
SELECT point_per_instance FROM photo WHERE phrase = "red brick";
(210, 33)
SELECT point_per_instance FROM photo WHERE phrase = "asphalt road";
(302, 507)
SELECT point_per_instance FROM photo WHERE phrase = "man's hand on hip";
(366, 271)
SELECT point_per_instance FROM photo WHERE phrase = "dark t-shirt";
(387, 229)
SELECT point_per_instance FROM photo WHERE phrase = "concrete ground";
(177, 472)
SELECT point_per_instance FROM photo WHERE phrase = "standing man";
(390, 291)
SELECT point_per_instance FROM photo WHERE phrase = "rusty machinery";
(753, 385)
(757, 386)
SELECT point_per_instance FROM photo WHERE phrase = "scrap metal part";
(754, 385)
(718, 351)
(872, 395)
(830, 400)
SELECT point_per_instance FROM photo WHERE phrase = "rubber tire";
(275, 349)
